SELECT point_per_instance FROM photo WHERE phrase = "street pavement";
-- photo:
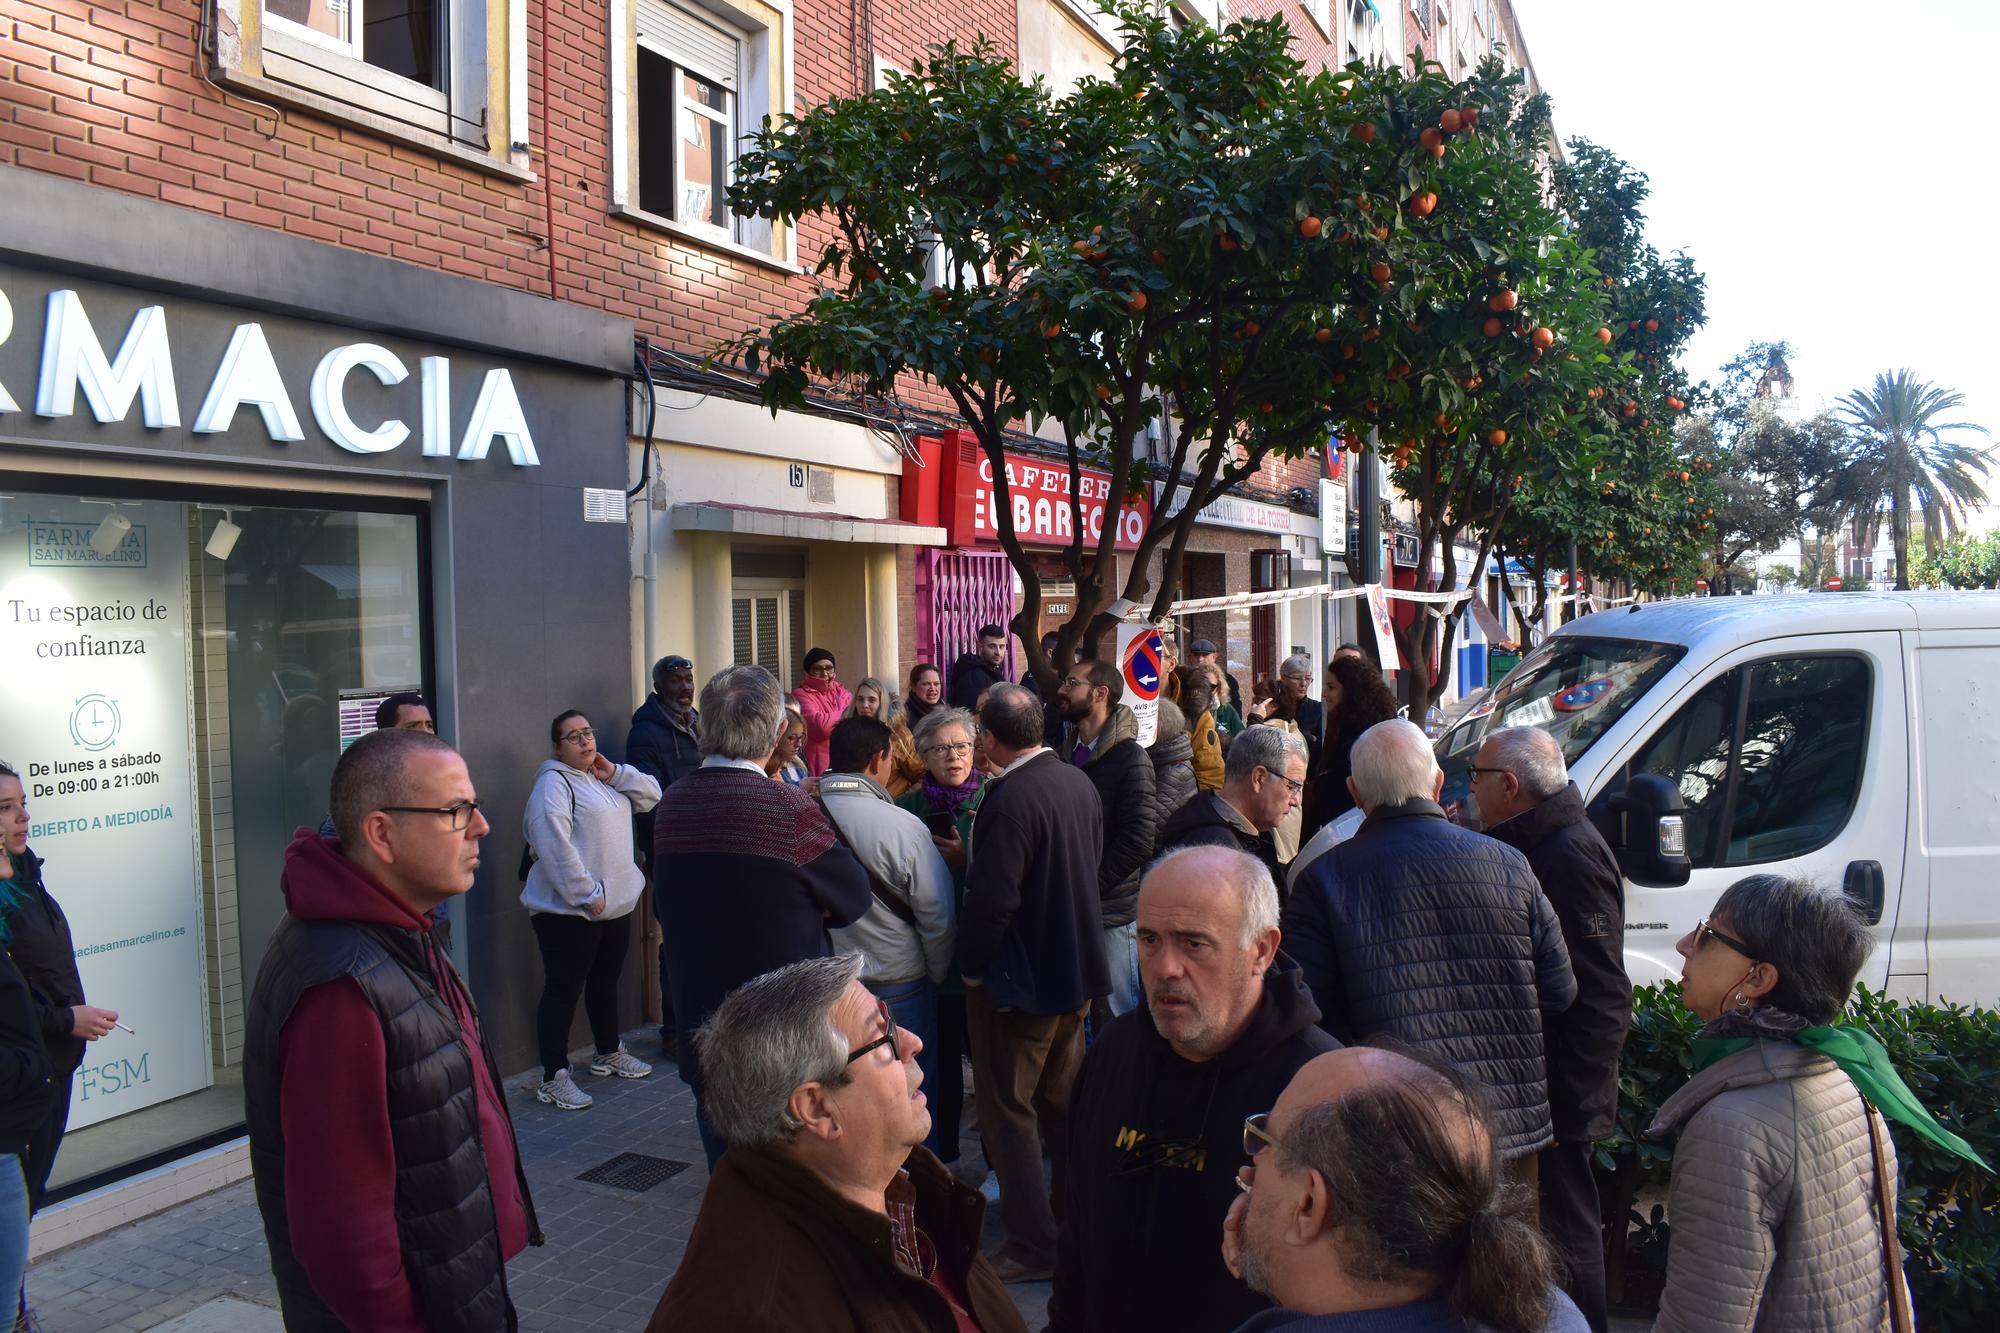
(201, 1267)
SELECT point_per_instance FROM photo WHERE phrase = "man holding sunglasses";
(826, 1213)
(360, 1044)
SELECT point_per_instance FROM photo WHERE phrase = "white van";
(1850, 737)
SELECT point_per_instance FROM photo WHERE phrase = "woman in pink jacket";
(821, 699)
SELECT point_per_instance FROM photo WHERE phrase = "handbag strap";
(899, 906)
(1900, 1316)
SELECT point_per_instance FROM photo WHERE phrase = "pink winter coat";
(821, 702)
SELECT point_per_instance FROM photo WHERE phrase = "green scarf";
(1864, 1060)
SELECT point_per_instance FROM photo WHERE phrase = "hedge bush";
(1948, 1212)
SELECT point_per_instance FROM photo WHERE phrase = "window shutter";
(703, 47)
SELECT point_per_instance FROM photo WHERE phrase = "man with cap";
(1202, 653)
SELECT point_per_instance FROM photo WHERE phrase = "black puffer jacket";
(1122, 772)
(971, 675)
(27, 1087)
(1580, 876)
(1155, 1141)
(1173, 776)
(39, 941)
(1440, 937)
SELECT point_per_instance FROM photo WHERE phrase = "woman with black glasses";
(1783, 1170)
(581, 886)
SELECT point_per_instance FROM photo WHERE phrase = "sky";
(1832, 167)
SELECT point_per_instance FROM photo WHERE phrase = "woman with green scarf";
(1782, 1164)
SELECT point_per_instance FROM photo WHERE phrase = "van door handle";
(1863, 884)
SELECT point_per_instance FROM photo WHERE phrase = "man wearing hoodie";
(1156, 1123)
(975, 673)
(1102, 739)
(386, 1166)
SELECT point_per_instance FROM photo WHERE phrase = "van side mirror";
(1652, 849)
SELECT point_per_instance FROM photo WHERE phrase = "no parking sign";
(1139, 656)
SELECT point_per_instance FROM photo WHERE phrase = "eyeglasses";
(820, 669)
(888, 1039)
(1704, 931)
(1475, 770)
(580, 735)
(1257, 1133)
(458, 812)
(1297, 678)
(949, 747)
(1073, 683)
(1293, 783)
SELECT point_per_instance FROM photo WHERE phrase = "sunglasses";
(1704, 931)
(1257, 1133)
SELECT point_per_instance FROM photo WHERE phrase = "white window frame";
(1366, 40)
(722, 123)
(1321, 14)
(356, 24)
(763, 57)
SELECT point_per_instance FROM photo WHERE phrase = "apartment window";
(687, 89)
(403, 37)
(1364, 32)
(1421, 11)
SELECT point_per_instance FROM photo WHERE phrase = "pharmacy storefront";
(229, 525)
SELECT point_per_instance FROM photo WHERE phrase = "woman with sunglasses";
(1783, 1171)
(580, 891)
(945, 799)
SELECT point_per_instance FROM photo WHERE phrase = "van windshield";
(1572, 686)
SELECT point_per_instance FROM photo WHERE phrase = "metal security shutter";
(673, 32)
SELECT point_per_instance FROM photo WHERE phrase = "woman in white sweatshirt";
(580, 892)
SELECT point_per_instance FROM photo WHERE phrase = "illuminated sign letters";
(74, 359)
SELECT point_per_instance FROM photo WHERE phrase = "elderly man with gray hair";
(1527, 801)
(1156, 1127)
(1436, 936)
(826, 1213)
(1262, 778)
(750, 874)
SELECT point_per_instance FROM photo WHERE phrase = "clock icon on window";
(94, 722)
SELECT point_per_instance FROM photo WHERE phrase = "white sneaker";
(620, 1062)
(562, 1093)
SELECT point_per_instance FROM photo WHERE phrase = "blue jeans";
(13, 1226)
(913, 1005)
(1121, 956)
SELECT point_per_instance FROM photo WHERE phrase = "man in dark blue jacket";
(1157, 1120)
(665, 744)
(1436, 936)
(1030, 945)
(1527, 801)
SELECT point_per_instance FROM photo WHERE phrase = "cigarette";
(121, 1027)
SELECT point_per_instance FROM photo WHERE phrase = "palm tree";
(1901, 452)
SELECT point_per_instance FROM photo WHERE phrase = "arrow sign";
(1139, 659)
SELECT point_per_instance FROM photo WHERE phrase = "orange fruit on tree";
(1135, 302)
(1051, 330)
(1379, 270)
(1012, 159)
(1450, 121)
(1430, 138)
(1630, 407)
(1423, 203)
(1322, 335)
(1684, 476)
(1381, 233)
(1633, 326)
(1443, 421)
(1505, 299)
(1491, 328)
(1080, 247)
(1543, 337)
(1268, 408)
(1103, 391)
(1364, 132)
(1310, 226)
(1159, 258)
(1437, 150)
(1469, 115)
(1652, 326)
(1497, 438)
(1604, 335)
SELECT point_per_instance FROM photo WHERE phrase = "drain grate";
(633, 1171)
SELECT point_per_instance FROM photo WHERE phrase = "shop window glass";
(182, 711)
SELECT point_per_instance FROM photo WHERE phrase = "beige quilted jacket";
(1772, 1203)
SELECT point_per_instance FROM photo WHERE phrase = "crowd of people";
(1257, 1037)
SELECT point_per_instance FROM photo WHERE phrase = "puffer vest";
(444, 1203)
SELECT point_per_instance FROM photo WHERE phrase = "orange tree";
(1213, 237)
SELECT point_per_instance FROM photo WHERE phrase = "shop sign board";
(1385, 627)
(1332, 516)
(1140, 652)
(136, 370)
(1234, 511)
(1038, 489)
(94, 679)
